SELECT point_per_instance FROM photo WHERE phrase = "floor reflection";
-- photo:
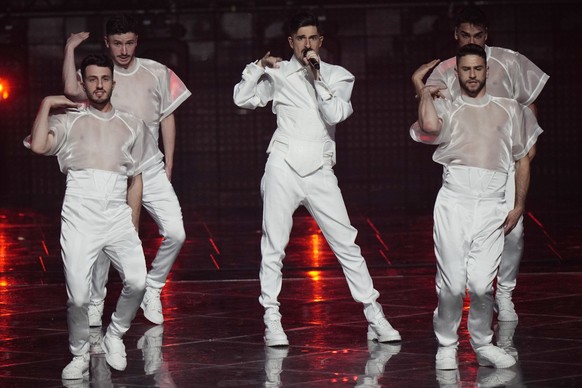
(212, 335)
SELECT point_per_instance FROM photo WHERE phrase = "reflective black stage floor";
(212, 336)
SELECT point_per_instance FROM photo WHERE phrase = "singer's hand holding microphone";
(312, 57)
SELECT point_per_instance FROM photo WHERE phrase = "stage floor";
(213, 333)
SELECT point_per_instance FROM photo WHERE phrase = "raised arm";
(72, 86)
(428, 119)
(41, 139)
(254, 89)
(419, 74)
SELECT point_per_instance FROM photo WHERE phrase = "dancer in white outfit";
(98, 148)
(511, 75)
(309, 98)
(479, 137)
(152, 92)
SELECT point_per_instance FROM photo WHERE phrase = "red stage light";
(4, 89)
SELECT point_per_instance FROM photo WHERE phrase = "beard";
(472, 92)
(103, 99)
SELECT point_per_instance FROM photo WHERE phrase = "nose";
(124, 49)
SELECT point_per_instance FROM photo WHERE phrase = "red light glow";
(4, 89)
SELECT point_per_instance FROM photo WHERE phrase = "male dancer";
(151, 92)
(309, 98)
(479, 138)
(98, 148)
(511, 75)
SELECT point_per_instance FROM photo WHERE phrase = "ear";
(290, 40)
(106, 41)
(456, 34)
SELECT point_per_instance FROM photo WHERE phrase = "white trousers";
(96, 218)
(283, 191)
(161, 202)
(468, 233)
(513, 248)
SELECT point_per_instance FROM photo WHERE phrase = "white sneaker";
(491, 355)
(382, 331)
(95, 313)
(504, 332)
(274, 333)
(77, 369)
(446, 358)
(114, 352)
(152, 305)
(505, 309)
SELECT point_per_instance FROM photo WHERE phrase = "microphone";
(312, 61)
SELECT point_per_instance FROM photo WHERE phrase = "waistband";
(475, 182)
(97, 184)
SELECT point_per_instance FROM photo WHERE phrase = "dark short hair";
(100, 60)
(121, 24)
(471, 49)
(473, 15)
(301, 19)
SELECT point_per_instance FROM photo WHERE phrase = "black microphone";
(312, 61)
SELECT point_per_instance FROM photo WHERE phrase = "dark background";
(220, 149)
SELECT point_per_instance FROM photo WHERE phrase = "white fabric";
(96, 218)
(299, 171)
(86, 138)
(487, 132)
(468, 217)
(307, 110)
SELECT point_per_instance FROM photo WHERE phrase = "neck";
(102, 107)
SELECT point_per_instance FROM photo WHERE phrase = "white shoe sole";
(372, 336)
(276, 342)
(485, 362)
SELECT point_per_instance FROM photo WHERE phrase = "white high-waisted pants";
(283, 191)
(94, 218)
(161, 202)
(468, 233)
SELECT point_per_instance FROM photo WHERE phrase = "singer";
(309, 97)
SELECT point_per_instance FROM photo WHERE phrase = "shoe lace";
(275, 326)
(153, 300)
(77, 362)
